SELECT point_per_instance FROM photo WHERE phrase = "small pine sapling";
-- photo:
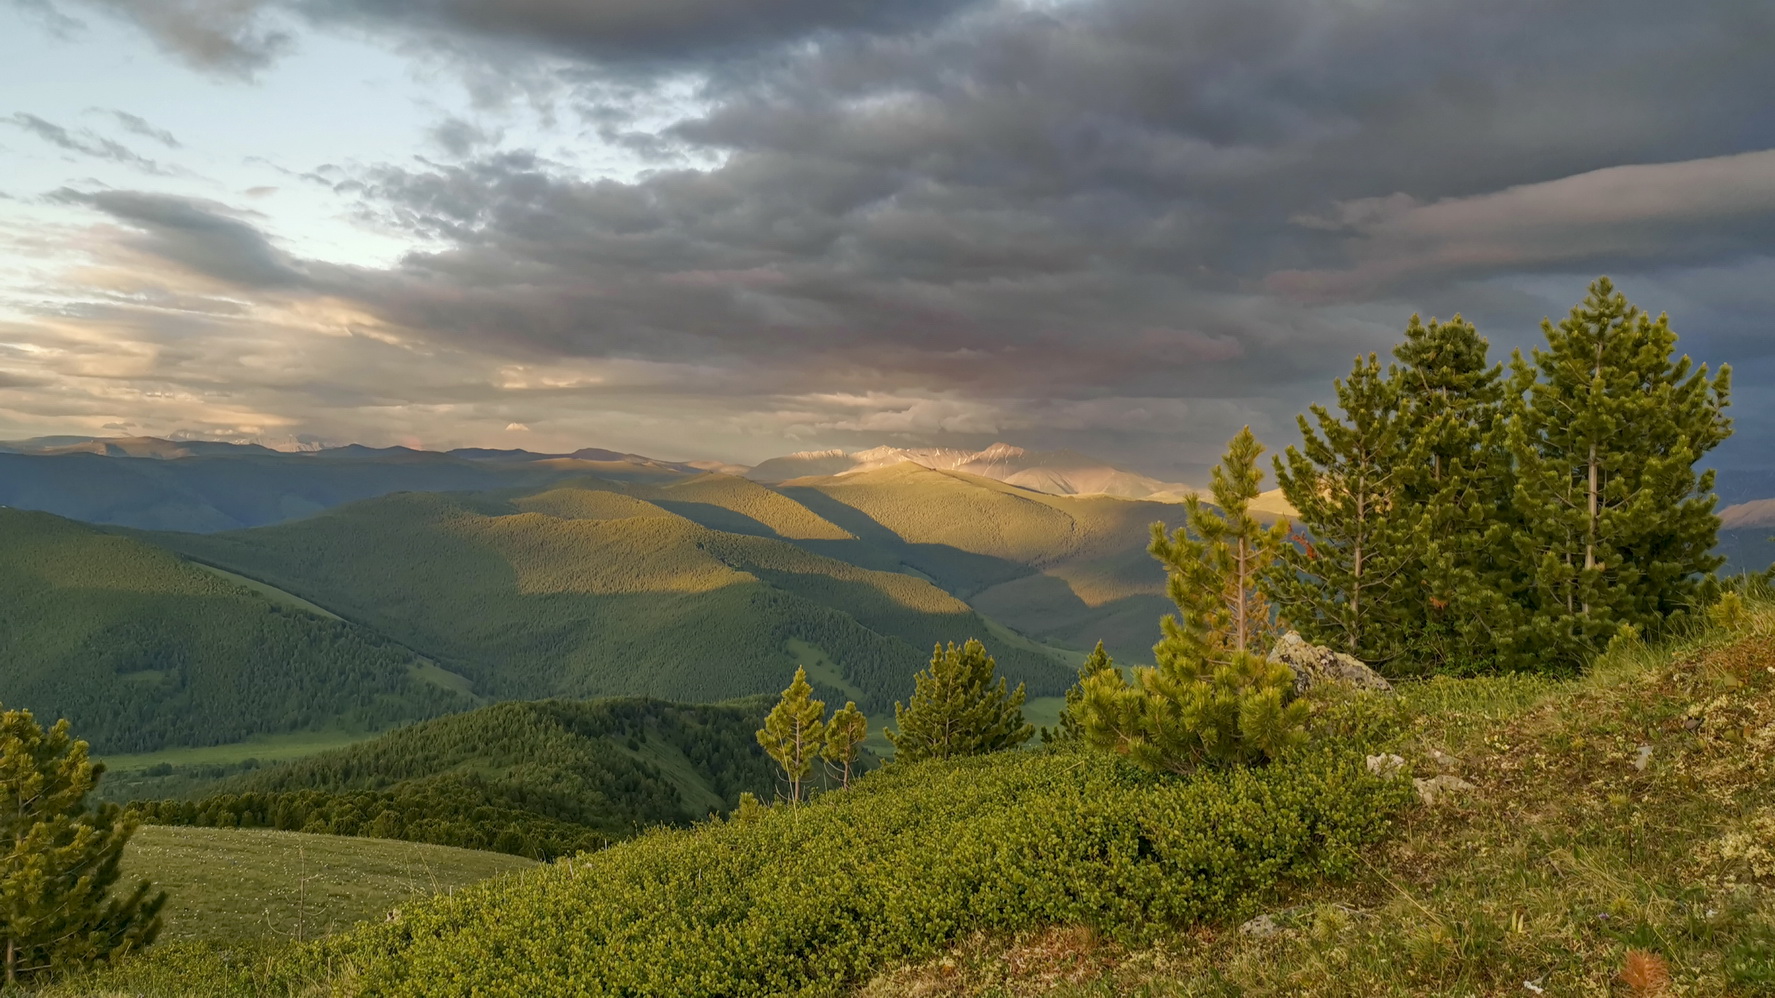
(844, 740)
(794, 732)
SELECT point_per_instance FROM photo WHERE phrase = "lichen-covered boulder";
(1314, 664)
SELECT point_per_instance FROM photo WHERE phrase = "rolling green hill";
(233, 884)
(142, 650)
(540, 778)
(1070, 570)
(584, 591)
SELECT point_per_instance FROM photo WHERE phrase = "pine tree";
(1213, 697)
(1457, 481)
(794, 732)
(844, 740)
(59, 859)
(1605, 428)
(1215, 575)
(956, 710)
(1341, 586)
(1071, 727)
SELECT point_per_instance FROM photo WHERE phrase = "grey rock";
(1314, 664)
(1386, 766)
(1436, 786)
(1443, 760)
(1261, 927)
(1642, 757)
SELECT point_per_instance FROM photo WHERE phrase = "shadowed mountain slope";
(143, 650)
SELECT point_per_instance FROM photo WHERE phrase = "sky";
(731, 229)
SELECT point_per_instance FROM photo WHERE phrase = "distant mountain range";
(207, 486)
(1061, 473)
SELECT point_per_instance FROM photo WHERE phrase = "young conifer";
(1217, 562)
(1071, 726)
(59, 859)
(1456, 494)
(844, 740)
(1213, 697)
(956, 710)
(1341, 586)
(1606, 426)
(794, 732)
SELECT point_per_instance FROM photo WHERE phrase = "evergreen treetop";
(1215, 564)
(1070, 728)
(956, 710)
(1605, 427)
(1342, 585)
(59, 859)
(844, 740)
(794, 732)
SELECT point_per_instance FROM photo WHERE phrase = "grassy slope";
(233, 884)
(142, 650)
(1566, 856)
(581, 591)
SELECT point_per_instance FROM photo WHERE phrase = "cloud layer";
(1120, 225)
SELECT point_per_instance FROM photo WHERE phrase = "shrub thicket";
(805, 901)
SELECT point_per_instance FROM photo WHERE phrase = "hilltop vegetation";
(1616, 840)
(539, 779)
(142, 650)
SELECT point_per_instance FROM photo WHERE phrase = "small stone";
(1435, 786)
(1386, 766)
(1443, 760)
(1642, 758)
(1261, 927)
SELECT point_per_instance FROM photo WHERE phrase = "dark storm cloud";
(237, 36)
(1063, 215)
(1111, 196)
(638, 31)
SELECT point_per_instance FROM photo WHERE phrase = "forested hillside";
(583, 591)
(142, 650)
(541, 779)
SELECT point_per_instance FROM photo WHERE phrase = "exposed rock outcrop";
(1314, 664)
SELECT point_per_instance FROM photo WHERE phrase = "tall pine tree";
(956, 710)
(1342, 586)
(59, 859)
(1456, 489)
(1617, 528)
(794, 732)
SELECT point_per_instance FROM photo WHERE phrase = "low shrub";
(807, 901)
